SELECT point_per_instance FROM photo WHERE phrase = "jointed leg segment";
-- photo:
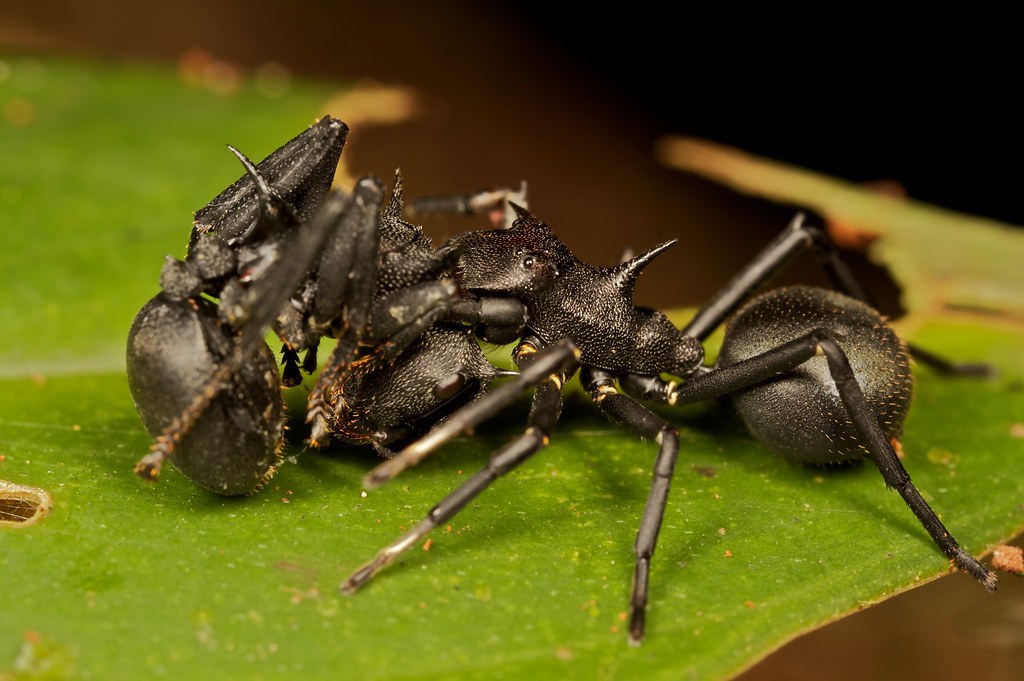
(788, 356)
(544, 413)
(626, 410)
(795, 239)
(555, 360)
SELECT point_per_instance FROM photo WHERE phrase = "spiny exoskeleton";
(784, 350)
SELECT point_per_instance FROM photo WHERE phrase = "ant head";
(288, 185)
(519, 261)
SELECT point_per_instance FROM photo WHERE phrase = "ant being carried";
(816, 374)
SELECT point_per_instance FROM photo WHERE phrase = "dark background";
(934, 106)
(574, 100)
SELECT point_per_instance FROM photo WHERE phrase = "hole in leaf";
(21, 505)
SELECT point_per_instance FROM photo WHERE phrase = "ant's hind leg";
(793, 240)
(768, 365)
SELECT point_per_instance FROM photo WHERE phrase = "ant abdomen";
(174, 347)
(800, 413)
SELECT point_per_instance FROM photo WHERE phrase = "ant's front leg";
(494, 203)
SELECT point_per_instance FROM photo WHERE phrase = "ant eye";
(528, 262)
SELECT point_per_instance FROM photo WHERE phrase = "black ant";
(278, 249)
(816, 374)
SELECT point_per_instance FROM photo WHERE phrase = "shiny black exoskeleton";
(201, 376)
(803, 416)
(816, 374)
(280, 250)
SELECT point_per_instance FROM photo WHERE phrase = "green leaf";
(124, 579)
(101, 171)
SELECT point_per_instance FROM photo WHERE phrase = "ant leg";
(624, 409)
(545, 410)
(347, 271)
(346, 286)
(400, 317)
(768, 365)
(496, 320)
(549, 364)
(349, 282)
(793, 240)
(948, 367)
(773, 258)
(490, 202)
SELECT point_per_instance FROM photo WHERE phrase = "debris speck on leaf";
(1008, 559)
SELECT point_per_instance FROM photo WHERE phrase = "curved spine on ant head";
(300, 172)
